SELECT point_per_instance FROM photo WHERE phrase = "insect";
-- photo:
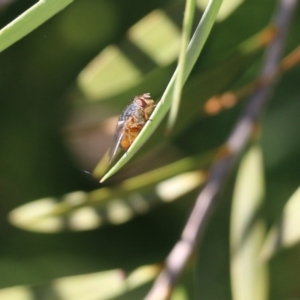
(131, 122)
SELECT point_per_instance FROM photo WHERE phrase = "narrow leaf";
(163, 106)
(80, 211)
(29, 20)
(186, 32)
(248, 273)
(286, 233)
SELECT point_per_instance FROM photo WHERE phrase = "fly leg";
(147, 111)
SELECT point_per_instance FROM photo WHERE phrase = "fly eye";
(141, 102)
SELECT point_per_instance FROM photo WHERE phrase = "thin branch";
(180, 254)
(217, 103)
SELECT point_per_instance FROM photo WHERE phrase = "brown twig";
(180, 254)
(217, 103)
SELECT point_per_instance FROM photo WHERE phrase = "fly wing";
(119, 133)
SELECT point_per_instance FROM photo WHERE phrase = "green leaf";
(163, 106)
(286, 233)
(212, 81)
(179, 81)
(79, 210)
(29, 20)
(248, 273)
(105, 285)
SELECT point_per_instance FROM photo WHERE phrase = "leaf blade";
(29, 20)
(194, 49)
(248, 273)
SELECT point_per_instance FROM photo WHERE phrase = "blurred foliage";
(50, 131)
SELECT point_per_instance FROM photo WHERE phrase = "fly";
(131, 122)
